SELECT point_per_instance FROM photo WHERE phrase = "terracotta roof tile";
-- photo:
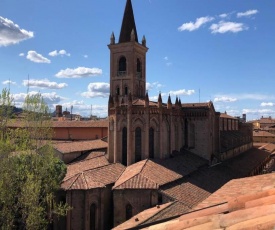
(79, 146)
(225, 115)
(145, 174)
(262, 133)
(252, 207)
(142, 216)
(92, 163)
(239, 187)
(93, 178)
(74, 124)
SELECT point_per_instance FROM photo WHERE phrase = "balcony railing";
(121, 73)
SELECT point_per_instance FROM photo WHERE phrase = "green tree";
(30, 173)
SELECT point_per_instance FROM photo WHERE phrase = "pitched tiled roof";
(93, 178)
(225, 115)
(238, 187)
(152, 214)
(82, 124)
(247, 203)
(81, 166)
(79, 146)
(142, 216)
(262, 134)
(196, 105)
(145, 174)
(72, 124)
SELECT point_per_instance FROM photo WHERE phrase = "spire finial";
(143, 40)
(112, 39)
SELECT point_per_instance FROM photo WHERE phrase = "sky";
(199, 51)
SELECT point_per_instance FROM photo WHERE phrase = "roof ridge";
(77, 175)
(101, 166)
(145, 162)
(72, 163)
(129, 177)
(171, 202)
(84, 179)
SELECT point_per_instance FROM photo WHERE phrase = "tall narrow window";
(138, 68)
(126, 90)
(124, 146)
(151, 143)
(129, 211)
(117, 91)
(122, 66)
(138, 144)
(93, 217)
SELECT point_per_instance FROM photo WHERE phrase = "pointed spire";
(112, 39)
(128, 24)
(146, 101)
(160, 100)
(169, 103)
(143, 41)
(180, 105)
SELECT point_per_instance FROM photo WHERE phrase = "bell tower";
(127, 60)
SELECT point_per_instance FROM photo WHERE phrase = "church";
(159, 152)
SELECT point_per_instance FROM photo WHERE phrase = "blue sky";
(199, 50)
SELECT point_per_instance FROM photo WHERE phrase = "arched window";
(151, 143)
(122, 66)
(124, 146)
(93, 217)
(126, 90)
(129, 211)
(138, 144)
(139, 68)
(117, 91)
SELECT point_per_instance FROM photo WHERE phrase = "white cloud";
(150, 86)
(79, 72)
(79, 107)
(85, 56)
(258, 97)
(224, 27)
(259, 112)
(223, 15)
(182, 92)
(166, 58)
(264, 104)
(247, 13)
(59, 53)
(11, 33)
(7, 82)
(36, 57)
(43, 83)
(21, 55)
(225, 99)
(97, 89)
(191, 26)
(49, 98)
